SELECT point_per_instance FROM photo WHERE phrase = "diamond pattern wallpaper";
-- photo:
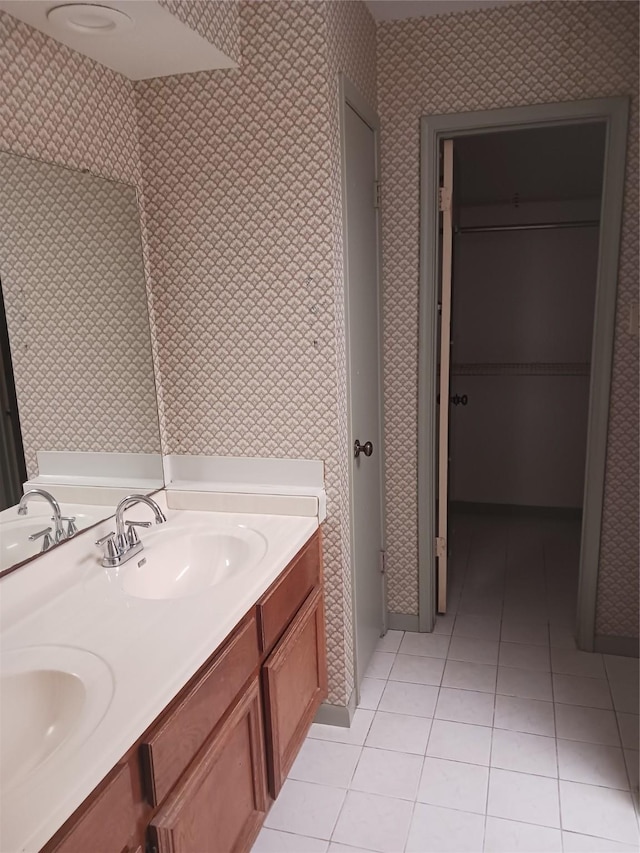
(523, 54)
(61, 107)
(241, 187)
(75, 297)
(238, 173)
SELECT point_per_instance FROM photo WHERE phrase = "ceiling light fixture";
(89, 19)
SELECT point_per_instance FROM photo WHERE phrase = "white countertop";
(152, 647)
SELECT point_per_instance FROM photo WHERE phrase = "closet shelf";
(532, 368)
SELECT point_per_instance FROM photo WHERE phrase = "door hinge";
(441, 546)
(444, 199)
(377, 194)
(383, 562)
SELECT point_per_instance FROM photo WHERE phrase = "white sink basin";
(180, 562)
(51, 699)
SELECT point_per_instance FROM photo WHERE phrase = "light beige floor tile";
(603, 812)
(373, 822)
(438, 830)
(523, 797)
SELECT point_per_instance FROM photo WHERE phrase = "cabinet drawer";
(109, 821)
(281, 603)
(222, 802)
(174, 743)
(295, 682)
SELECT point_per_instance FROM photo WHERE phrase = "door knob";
(366, 448)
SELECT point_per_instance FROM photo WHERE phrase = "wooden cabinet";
(295, 683)
(172, 744)
(106, 823)
(281, 602)
(197, 779)
(221, 803)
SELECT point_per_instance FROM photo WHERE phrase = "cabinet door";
(295, 682)
(222, 801)
(109, 821)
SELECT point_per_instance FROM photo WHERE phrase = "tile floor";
(491, 734)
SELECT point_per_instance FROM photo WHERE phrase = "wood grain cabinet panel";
(295, 683)
(280, 604)
(108, 823)
(220, 805)
(170, 748)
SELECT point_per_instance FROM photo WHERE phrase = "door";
(446, 203)
(363, 349)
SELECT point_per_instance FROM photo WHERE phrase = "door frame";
(348, 94)
(613, 112)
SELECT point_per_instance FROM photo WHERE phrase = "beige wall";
(242, 198)
(522, 54)
(66, 109)
(63, 107)
(74, 292)
(241, 185)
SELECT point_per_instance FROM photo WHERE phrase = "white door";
(363, 325)
(446, 204)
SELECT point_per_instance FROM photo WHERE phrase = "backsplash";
(522, 54)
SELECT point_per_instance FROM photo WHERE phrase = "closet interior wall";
(523, 302)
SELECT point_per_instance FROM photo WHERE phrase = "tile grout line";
(495, 699)
(555, 725)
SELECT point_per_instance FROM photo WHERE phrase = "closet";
(525, 251)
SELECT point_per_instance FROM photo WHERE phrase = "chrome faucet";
(57, 518)
(123, 544)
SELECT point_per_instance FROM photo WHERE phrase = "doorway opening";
(527, 302)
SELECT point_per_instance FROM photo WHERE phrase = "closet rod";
(538, 226)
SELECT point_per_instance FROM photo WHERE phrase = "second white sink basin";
(51, 697)
(15, 531)
(180, 562)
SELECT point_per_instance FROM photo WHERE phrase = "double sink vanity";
(157, 703)
(156, 687)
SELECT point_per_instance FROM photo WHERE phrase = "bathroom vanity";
(213, 691)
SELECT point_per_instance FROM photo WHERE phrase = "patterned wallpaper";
(216, 20)
(521, 54)
(242, 211)
(351, 49)
(74, 291)
(59, 106)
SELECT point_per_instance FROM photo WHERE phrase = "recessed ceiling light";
(89, 19)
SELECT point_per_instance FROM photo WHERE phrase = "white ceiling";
(157, 45)
(396, 10)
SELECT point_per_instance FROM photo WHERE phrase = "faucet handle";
(132, 536)
(111, 550)
(71, 524)
(45, 534)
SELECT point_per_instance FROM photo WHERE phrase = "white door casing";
(446, 204)
(363, 339)
(614, 113)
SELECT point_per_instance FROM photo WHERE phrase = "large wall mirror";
(77, 382)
